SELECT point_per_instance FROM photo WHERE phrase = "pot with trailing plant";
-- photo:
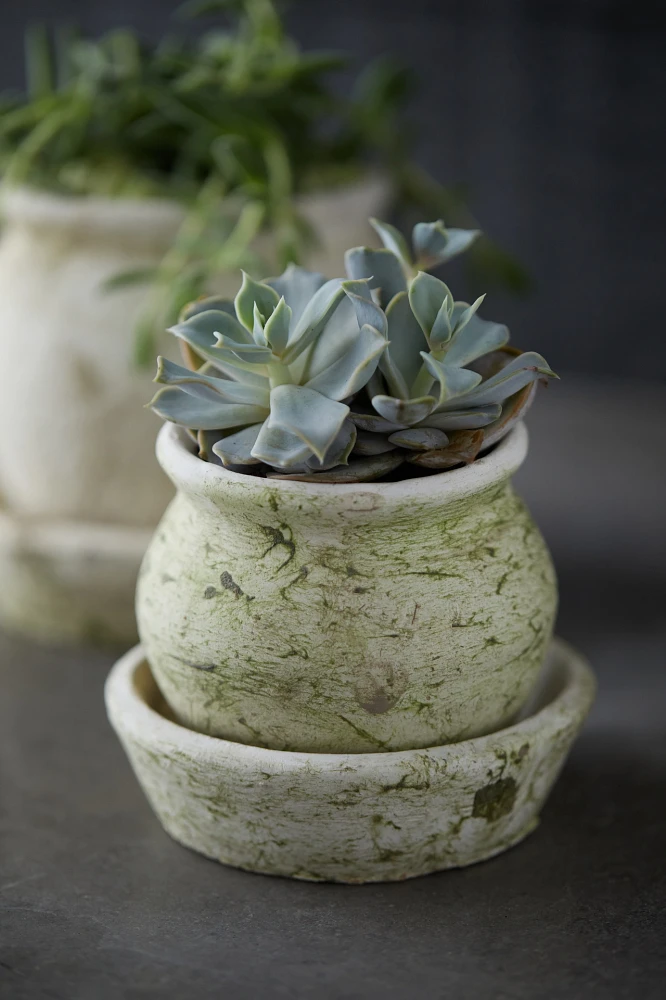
(347, 669)
(137, 177)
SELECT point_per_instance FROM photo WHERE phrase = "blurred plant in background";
(235, 125)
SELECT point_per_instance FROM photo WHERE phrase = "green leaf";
(464, 419)
(528, 367)
(251, 292)
(381, 268)
(338, 451)
(362, 470)
(279, 447)
(236, 448)
(313, 418)
(314, 318)
(210, 387)
(276, 330)
(478, 337)
(406, 341)
(453, 382)
(367, 312)
(427, 295)
(419, 439)
(297, 286)
(403, 412)
(394, 241)
(203, 414)
(349, 373)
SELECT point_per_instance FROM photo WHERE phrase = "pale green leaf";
(350, 372)
(404, 412)
(236, 448)
(203, 414)
(314, 418)
(394, 241)
(254, 292)
(426, 296)
(380, 268)
(453, 382)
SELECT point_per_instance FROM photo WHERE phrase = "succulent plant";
(447, 385)
(280, 360)
(346, 380)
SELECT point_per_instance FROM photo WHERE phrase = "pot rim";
(39, 206)
(175, 453)
(152, 218)
(564, 693)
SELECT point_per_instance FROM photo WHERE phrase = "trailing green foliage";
(344, 381)
(239, 111)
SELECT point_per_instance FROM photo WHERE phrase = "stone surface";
(382, 616)
(373, 817)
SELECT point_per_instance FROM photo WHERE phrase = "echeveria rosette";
(280, 361)
(447, 385)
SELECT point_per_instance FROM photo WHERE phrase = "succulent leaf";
(478, 337)
(519, 372)
(368, 443)
(254, 294)
(209, 387)
(380, 268)
(420, 438)
(427, 295)
(297, 287)
(314, 318)
(236, 448)
(204, 414)
(434, 244)
(348, 374)
(404, 412)
(453, 382)
(312, 417)
(278, 447)
(467, 419)
(362, 470)
(406, 340)
(394, 241)
(276, 330)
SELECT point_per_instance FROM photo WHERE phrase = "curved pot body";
(328, 618)
(75, 439)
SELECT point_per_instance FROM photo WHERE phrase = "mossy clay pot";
(350, 817)
(345, 618)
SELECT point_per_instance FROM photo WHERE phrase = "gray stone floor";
(96, 903)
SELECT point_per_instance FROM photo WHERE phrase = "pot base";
(66, 581)
(352, 818)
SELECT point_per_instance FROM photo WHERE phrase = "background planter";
(377, 617)
(76, 443)
(349, 817)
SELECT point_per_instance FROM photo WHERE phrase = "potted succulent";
(346, 580)
(127, 183)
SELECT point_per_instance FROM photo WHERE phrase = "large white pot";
(348, 618)
(76, 442)
(75, 439)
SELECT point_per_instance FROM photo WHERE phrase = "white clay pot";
(76, 442)
(75, 439)
(345, 618)
(350, 817)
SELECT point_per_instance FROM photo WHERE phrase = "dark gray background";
(551, 114)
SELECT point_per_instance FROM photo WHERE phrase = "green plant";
(345, 381)
(234, 124)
